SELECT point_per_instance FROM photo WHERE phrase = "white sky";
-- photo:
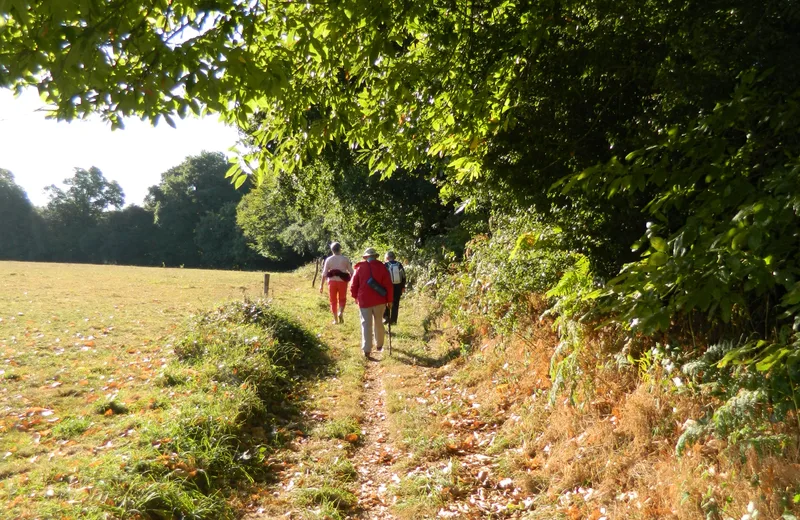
(40, 152)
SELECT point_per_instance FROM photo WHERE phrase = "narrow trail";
(375, 455)
(394, 438)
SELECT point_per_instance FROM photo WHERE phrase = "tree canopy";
(665, 125)
(402, 81)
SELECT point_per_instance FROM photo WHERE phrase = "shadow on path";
(416, 359)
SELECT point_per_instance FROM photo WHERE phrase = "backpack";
(395, 272)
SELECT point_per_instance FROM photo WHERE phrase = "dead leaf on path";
(351, 437)
(385, 457)
(506, 483)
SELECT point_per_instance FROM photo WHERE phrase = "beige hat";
(370, 251)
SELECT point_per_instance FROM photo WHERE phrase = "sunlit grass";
(83, 347)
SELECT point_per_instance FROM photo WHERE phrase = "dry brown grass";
(617, 440)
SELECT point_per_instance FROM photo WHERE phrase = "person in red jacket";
(373, 291)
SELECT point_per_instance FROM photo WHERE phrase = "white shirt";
(340, 262)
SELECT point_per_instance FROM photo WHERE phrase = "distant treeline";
(195, 217)
(188, 219)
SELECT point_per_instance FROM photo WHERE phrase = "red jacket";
(365, 295)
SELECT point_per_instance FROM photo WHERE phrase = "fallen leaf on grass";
(351, 437)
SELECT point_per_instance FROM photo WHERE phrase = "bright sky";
(40, 152)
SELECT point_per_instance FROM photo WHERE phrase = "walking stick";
(390, 337)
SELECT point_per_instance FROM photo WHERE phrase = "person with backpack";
(338, 270)
(373, 291)
(398, 275)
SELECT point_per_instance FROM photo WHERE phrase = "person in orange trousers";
(337, 269)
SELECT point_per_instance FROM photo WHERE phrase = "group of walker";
(375, 286)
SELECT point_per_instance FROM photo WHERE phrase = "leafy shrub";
(502, 270)
(571, 299)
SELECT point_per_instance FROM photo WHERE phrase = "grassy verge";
(240, 368)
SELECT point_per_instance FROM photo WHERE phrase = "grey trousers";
(372, 322)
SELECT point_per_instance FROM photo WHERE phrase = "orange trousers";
(338, 294)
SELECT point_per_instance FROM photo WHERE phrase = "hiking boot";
(379, 349)
(367, 356)
(341, 317)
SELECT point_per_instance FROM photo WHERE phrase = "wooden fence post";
(316, 270)
(266, 285)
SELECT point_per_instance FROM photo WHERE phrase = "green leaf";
(633, 155)
(240, 180)
(234, 170)
(739, 240)
(318, 48)
(658, 243)
(657, 259)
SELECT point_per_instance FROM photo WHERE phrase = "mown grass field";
(85, 350)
